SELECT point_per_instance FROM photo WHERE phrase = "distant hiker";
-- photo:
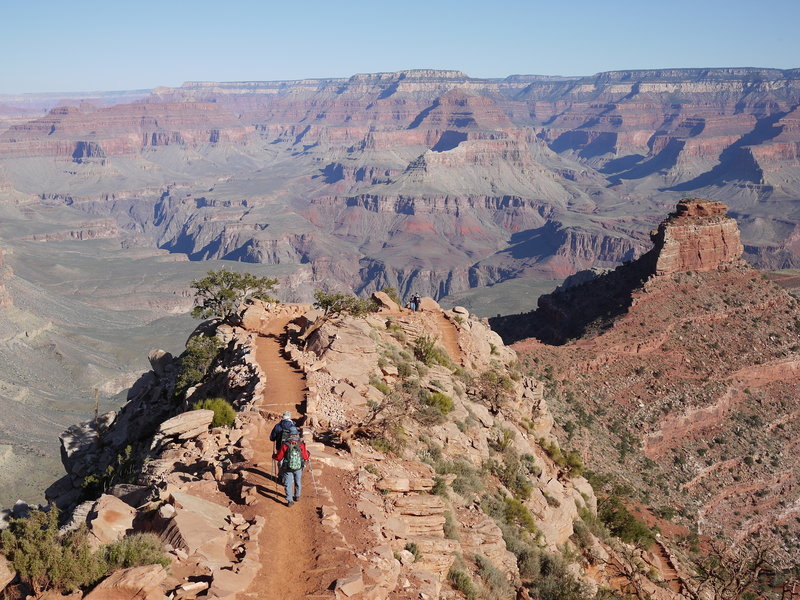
(292, 458)
(413, 302)
(281, 431)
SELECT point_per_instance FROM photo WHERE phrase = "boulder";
(199, 526)
(137, 583)
(160, 361)
(385, 303)
(350, 585)
(405, 484)
(187, 425)
(110, 519)
(428, 304)
(460, 310)
(130, 494)
(7, 572)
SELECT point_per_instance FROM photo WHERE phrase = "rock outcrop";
(699, 236)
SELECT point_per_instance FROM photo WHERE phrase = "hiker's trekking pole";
(313, 479)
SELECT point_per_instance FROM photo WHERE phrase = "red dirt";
(291, 563)
(449, 338)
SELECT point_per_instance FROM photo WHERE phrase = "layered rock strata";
(698, 236)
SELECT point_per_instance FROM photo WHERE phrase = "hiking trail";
(449, 338)
(292, 536)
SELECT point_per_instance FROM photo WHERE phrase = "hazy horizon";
(96, 46)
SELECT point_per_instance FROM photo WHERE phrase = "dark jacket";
(277, 431)
(285, 448)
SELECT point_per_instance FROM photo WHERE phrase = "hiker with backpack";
(281, 430)
(292, 458)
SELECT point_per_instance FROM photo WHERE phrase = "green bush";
(45, 560)
(414, 549)
(334, 304)
(426, 350)
(440, 401)
(467, 481)
(135, 550)
(439, 487)
(555, 582)
(224, 414)
(198, 356)
(461, 581)
(450, 527)
(513, 474)
(496, 583)
(623, 524)
(516, 513)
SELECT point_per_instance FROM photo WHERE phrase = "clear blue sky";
(88, 45)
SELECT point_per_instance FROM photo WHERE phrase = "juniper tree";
(220, 294)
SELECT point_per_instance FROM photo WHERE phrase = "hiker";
(282, 429)
(292, 458)
(415, 302)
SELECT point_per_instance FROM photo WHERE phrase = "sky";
(89, 45)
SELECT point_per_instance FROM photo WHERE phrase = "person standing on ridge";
(292, 458)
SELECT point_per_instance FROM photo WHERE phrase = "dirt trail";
(449, 338)
(290, 535)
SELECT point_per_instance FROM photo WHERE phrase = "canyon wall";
(431, 181)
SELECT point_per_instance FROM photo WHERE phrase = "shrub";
(333, 304)
(414, 549)
(624, 525)
(200, 352)
(497, 586)
(134, 551)
(467, 479)
(224, 414)
(513, 474)
(46, 561)
(555, 582)
(440, 401)
(581, 534)
(404, 369)
(439, 487)
(426, 350)
(450, 527)
(516, 513)
(461, 581)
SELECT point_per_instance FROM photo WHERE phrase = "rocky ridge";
(388, 494)
(680, 379)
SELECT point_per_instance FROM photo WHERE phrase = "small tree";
(199, 354)
(334, 305)
(220, 294)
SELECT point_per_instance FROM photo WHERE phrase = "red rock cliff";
(698, 236)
